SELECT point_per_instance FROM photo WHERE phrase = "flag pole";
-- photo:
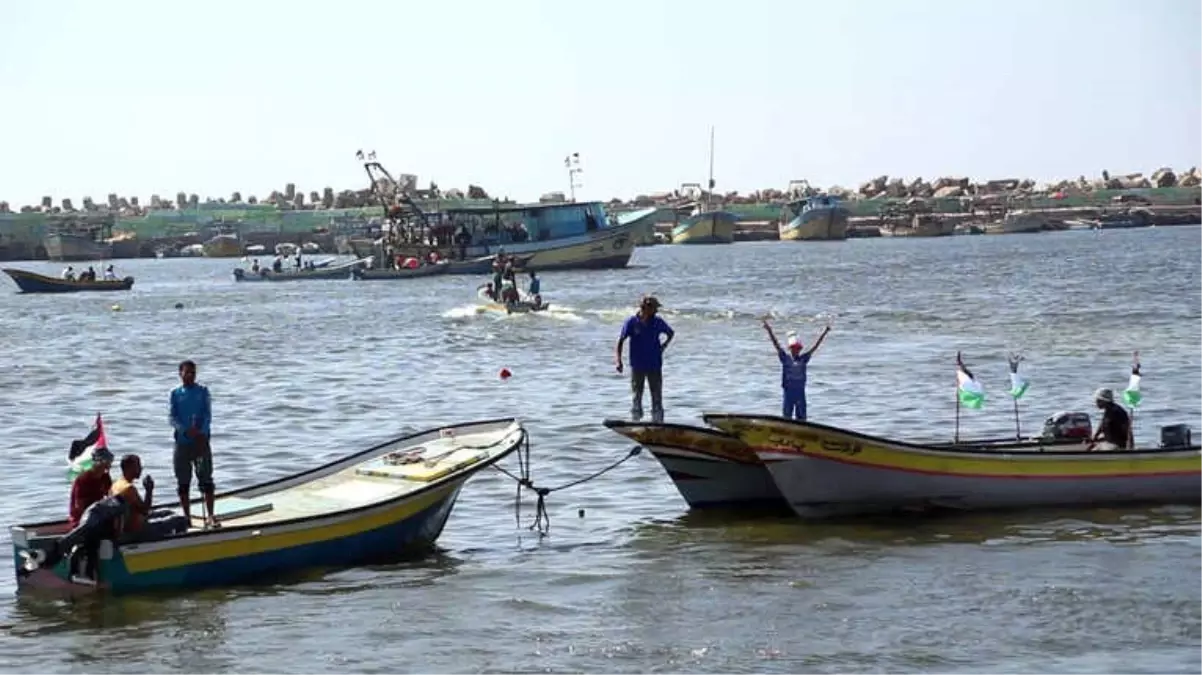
(956, 393)
(1018, 432)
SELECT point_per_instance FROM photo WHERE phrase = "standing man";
(191, 413)
(793, 371)
(646, 356)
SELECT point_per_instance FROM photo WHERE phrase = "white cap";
(793, 341)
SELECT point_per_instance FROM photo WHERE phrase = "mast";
(709, 193)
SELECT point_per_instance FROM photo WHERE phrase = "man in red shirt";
(92, 485)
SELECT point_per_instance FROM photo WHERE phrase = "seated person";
(538, 300)
(109, 274)
(140, 521)
(1114, 431)
(90, 486)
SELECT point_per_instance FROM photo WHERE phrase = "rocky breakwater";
(163, 224)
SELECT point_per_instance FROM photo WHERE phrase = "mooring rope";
(542, 519)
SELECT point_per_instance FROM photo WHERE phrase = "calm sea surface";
(303, 373)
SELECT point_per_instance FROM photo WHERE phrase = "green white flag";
(1018, 385)
(972, 395)
(1132, 395)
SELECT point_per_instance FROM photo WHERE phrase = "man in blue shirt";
(191, 414)
(793, 371)
(646, 356)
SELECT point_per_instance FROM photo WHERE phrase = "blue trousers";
(795, 404)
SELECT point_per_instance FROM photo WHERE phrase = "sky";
(140, 98)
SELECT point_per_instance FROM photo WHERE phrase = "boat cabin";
(796, 208)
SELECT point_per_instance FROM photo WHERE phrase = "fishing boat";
(32, 282)
(78, 237)
(376, 274)
(525, 306)
(706, 225)
(825, 471)
(710, 468)
(319, 271)
(817, 218)
(225, 244)
(549, 236)
(375, 505)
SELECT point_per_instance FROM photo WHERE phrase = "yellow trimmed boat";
(374, 505)
(710, 468)
(827, 471)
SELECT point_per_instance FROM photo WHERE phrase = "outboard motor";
(1068, 426)
(1175, 436)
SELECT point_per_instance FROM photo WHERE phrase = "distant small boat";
(376, 505)
(519, 307)
(406, 273)
(706, 227)
(32, 282)
(821, 217)
(326, 271)
(709, 467)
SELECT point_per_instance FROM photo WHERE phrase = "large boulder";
(476, 192)
(1164, 178)
(949, 191)
(1191, 178)
(67, 204)
(236, 198)
(327, 198)
(290, 191)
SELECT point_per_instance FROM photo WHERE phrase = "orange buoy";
(505, 374)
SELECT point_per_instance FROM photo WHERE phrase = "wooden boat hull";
(825, 471)
(390, 275)
(710, 469)
(817, 224)
(248, 546)
(31, 282)
(711, 227)
(75, 248)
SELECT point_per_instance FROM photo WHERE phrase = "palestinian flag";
(972, 395)
(1018, 383)
(1132, 395)
(79, 457)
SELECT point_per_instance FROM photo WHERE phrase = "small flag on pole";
(1018, 383)
(1132, 395)
(972, 395)
(79, 459)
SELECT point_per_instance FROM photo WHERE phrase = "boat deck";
(369, 481)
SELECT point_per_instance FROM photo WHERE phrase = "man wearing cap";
(1114, 431)
(646, 356)
(793, 371)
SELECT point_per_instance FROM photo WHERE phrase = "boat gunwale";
(615, 425)
(1016, 450)
(328, 467)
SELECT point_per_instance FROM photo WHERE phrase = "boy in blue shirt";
(191, 414)
(793, 371)
(646, 357)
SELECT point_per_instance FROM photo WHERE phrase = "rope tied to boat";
(542, 519)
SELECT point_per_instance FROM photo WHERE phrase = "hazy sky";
(145, 97)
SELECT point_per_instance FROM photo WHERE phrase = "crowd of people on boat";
(89, 274)
(102, 509)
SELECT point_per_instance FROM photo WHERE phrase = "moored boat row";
(822, 471)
